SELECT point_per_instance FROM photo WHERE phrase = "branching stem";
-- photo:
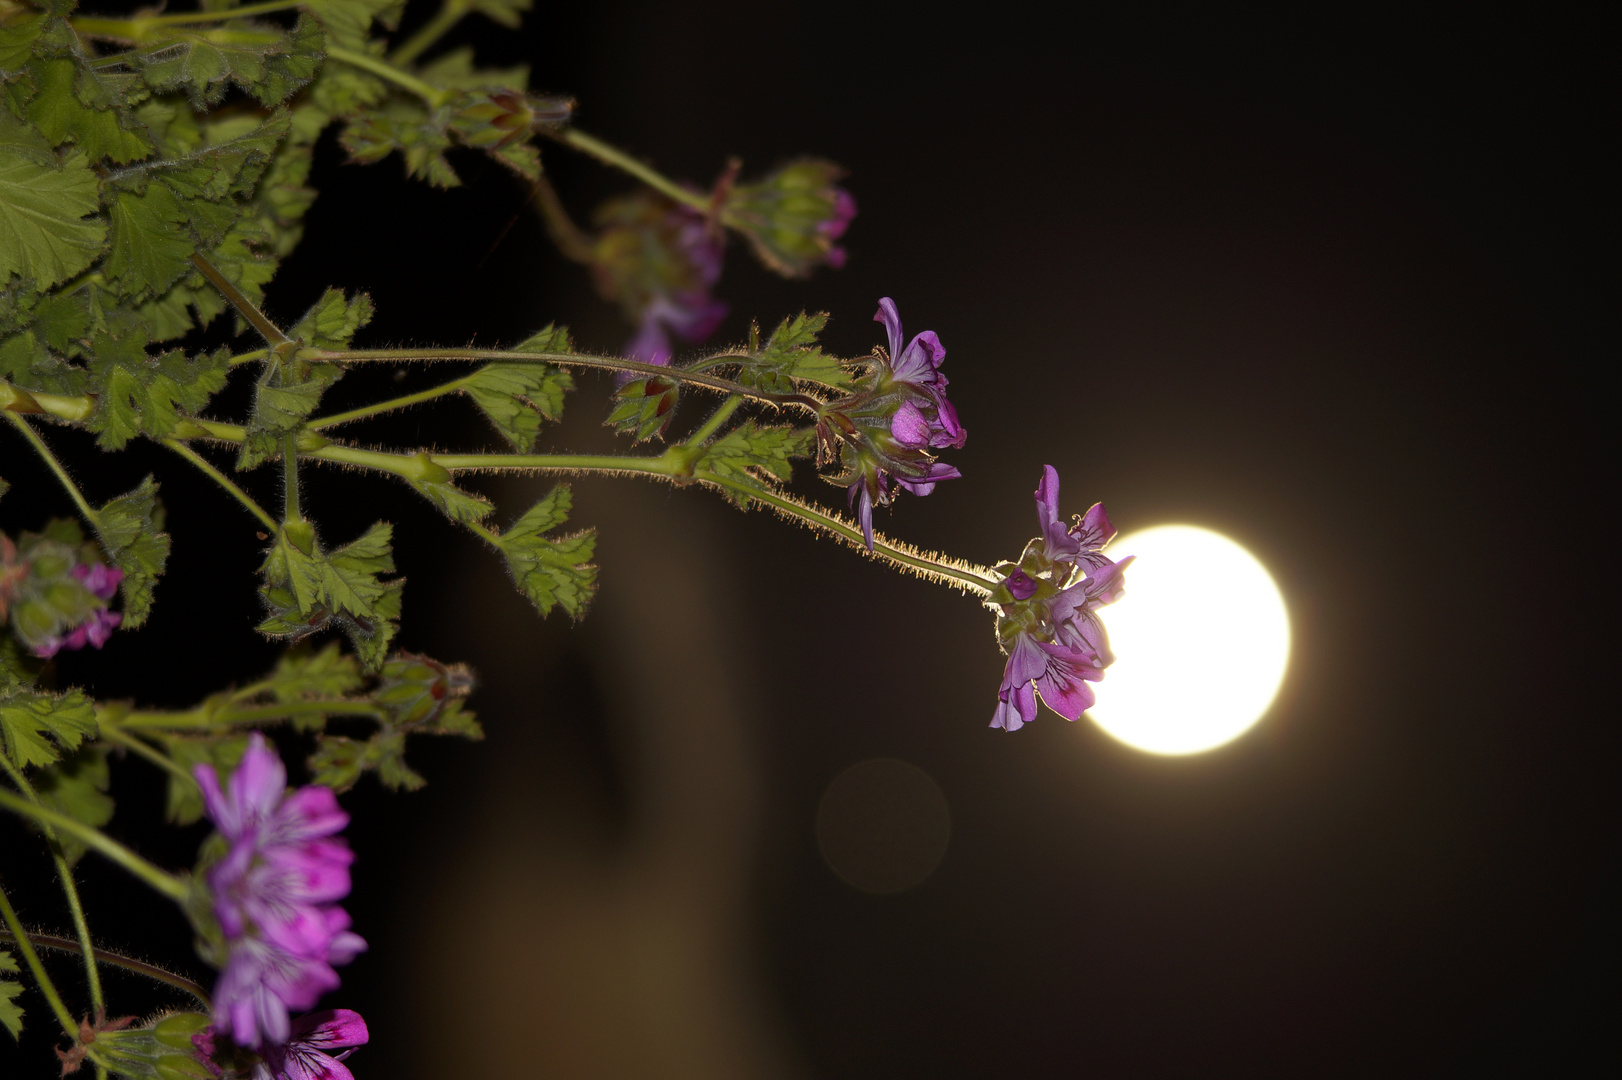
(247, 308)
(717, 418)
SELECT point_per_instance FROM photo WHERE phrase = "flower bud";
(492, 118)
(793, 216)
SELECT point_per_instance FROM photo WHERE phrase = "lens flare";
(1201, 641)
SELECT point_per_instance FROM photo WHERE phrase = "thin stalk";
(392, 404)
(570, 239)
(248, 357)
(619, 159)
(245, 307)
(162, 761)
(118, 960)
(432, 95)
(56, 467)
(31, 958)
(717, 418)
(64, 873)
(449, 15)
(290, 507)
(663, 465)
(221, 479)
(602, 363)
(141, 26)
(160, 880)
(970, 578)
(253, 714)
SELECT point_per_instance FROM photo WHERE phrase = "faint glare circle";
(882, 825)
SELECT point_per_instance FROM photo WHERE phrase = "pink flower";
(275, 893)
(305, 1056)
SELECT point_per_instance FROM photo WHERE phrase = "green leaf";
(42, 234)
(349, 22)
(408, 127)
(133, 539)
(332, 322)
(302, 673)
(11, 1013)
(38, 727)
(60, 115)
(792, 354)
(551, 572)
(184, 803)
(453, 502)
(268, 62)
(516, 397)
(284, 397)
(454, 70)
(151, 241)
(749, 450)
(77, 787)
(142, 394)
(303, 592)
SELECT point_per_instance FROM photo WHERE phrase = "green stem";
(387, 406)
(64, 872)
(162, 761)
(569, 238)
(290, 507)
(245, 307)
(602, 363)
(221, 479)
(432, 95)
(970, 578)
(160, 880)
(610, 155)
(717, 418)
(119, 960)
(449, 15)
(31, 958)
(663, 465)
(248, 357)
(138, 28)
(232, 716)
(56, 467)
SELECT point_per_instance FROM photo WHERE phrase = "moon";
(1201, 638)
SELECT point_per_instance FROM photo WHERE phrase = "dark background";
(1328, 286)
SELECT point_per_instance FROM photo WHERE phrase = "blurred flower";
(793, 216)
(306, 1057)
(53, 594)
(274, 895)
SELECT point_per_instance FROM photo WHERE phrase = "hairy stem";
(431, 95)
(290, 507)
(391, 405)
(619, 159)
(717, 418)
(31, 958)
(160, 880)
(245, 307)
(570, 239)
(450, 13)
(44, 452)
(64, 873)
(118, 960)
(221, 479)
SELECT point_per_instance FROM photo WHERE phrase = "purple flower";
(833, 227)
(305, 1055)
(919, 365)
(275, 893)
(688, 311)
(1082, 542)
(693, 317)
(1049, 623)
(100, 579)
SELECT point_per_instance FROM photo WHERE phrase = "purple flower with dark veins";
(275, 893)
(919, 365)
(1049, 623)
(307, 1053)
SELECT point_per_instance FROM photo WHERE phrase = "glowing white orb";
(1201, 640)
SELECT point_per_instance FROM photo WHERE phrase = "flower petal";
(891, 318)
(919, 362)
(332, 1028)
(909, 427)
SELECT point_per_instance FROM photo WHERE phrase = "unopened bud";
(793, 216)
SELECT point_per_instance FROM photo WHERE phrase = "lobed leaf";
(11, 1013)
(37, 727)
(516, 397)
(551, 572)
(749, 450)
(302, 673)
(131, 534)
(304, 591)
(77, 786)
(43, 232)
(791, 354)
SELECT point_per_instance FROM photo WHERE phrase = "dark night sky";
(1328, 286)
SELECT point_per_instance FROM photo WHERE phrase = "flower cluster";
(792, 217)
(275, 893)
(659, 260)
(883, 433)
(1048, 622)
(54, 595)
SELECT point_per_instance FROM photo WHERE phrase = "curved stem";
(717, 418)
(162, 761)
(64, 873)
(56, 467)
(221, 479)
(160, 880)
(404, 402)
(31, 958)
(432, 95)
(966, 576)
(119, 960)
(619, 159)
(450, 13)
(574, 243)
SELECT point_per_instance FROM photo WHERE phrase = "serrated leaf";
(551, 572)
(130, 535)
(11, 1013)
(455, 70)
(516, 397)
(77, 787)
(59, 114)
(749, 449)
(303, 592)
(284, 397)
(453, 502)
(408, 127)
(332, 322)
(151, 244)
(38, 727)
(43, 234)
(264, 60)
(302, 673)
(349, 22)
(792, 354)
(143, 394)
